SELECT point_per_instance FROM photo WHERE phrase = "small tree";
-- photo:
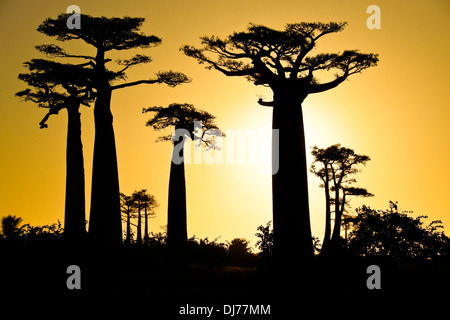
(182, 118)
(128, 206)
(334, 166)
(265, 242)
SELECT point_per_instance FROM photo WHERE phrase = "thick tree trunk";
(105, 222)
(176, 212)
(74, 217)
(291, 222)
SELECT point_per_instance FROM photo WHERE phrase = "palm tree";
(10, 226)
(182, 118)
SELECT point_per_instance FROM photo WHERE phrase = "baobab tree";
(282, 60)
(335, 166)
(105, 35)
(182, 118)
(56, 86)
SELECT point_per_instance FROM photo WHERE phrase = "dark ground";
(142, 281)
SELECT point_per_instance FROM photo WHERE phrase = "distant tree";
(147, 202)
(334, 166)
(265, 242)
(282, 61)
(57, 86)
(105, 35)
(239, 252)
(181, 117)
(396, 235)
(10, 226)
(128, 207)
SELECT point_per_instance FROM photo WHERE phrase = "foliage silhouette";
(59, 86)
(182, 117)
(334, 165)
(10, 227)
(397, 236)
(106, 34)
(279, 59)
(265, 242)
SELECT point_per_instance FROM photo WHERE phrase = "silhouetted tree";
(395, 235)
(240, 253)
(279, 59)
(128, 206)
(147, 202)
(265, 242)
(57, 86)
(10, 226)
(334, 165)
(106, 34)
(182, 118)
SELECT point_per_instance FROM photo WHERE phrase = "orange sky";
(397, 113)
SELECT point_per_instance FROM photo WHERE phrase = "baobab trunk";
(291, 222)
(176, 211)
(74, 217)
(105, 223)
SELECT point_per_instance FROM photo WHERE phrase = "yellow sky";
(397, 113)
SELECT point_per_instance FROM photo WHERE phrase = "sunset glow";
(397, 113)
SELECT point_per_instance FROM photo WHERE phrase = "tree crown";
(184, 116)
(107, 34)
(266, 56)
(54, 85)
(101, 32)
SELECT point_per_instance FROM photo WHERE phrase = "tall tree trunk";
(291, 222)
(146, 224)
(327, 236)
(139, 226)
(337, 218)
(105, 223)
(176, 211)
(128, 236)
(74, 217)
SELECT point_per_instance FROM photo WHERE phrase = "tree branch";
(265, 103)
(135, 83)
